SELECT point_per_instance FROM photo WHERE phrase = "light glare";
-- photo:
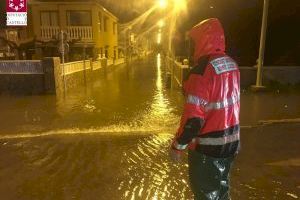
(162, 3)
(179, 5)
(159, 38)
(161, 23)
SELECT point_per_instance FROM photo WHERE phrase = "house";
(89, 29)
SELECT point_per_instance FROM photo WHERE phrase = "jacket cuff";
(179, 147)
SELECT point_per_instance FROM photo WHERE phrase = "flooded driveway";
(110, 140)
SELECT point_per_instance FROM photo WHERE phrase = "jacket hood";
(208, 37)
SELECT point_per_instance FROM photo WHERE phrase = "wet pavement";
(110, 140)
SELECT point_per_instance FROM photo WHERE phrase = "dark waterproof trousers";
(209, 177)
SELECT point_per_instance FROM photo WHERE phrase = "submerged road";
(110, 140)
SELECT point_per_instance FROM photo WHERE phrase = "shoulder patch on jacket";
(223, 64)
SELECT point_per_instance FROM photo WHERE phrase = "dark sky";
(241, 20)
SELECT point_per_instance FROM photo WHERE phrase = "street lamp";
(162, 4)
(260, 63)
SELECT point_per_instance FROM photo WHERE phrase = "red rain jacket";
(212, 91)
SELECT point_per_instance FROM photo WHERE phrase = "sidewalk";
(268, 166)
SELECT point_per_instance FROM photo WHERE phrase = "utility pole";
(62, 50)
(260, 63)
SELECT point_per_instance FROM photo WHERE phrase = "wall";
(22, 77)
(110, 39)
(272, 75)
(82, 73)
(49, 75)
(278, 75)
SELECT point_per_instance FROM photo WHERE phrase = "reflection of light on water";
(159, 79)
(154, 179)
(118, 129)
(160, 103)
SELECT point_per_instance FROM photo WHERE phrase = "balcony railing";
(74, 32)
(49, 32)
(80, 32)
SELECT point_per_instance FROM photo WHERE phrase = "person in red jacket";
(210, 122)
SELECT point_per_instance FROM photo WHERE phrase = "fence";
(73, 67)
(21, 67)
(119, 61)
(96, 65)
(22, 77)
(178, 71)
(110, 62)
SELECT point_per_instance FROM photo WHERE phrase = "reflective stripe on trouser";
(209, 177)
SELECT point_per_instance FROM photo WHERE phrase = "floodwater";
(110, 140)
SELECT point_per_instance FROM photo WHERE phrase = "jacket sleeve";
(193, 117)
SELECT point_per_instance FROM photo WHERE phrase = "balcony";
(49, 32)
(80, 32)
(84, 33)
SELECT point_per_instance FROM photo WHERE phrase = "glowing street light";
(162, 3)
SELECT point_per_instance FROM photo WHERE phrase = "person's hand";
(175, 155)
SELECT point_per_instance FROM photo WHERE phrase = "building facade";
(89, 29)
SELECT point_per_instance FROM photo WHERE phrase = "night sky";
(241, 20)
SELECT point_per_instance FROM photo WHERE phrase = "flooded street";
(110, 140)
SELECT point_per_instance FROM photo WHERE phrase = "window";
(79, 18)
(105, 23)
(114, 27)
(49, 18)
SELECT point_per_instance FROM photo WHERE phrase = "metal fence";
(21, 67)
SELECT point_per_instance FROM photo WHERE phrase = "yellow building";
(89, 27)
